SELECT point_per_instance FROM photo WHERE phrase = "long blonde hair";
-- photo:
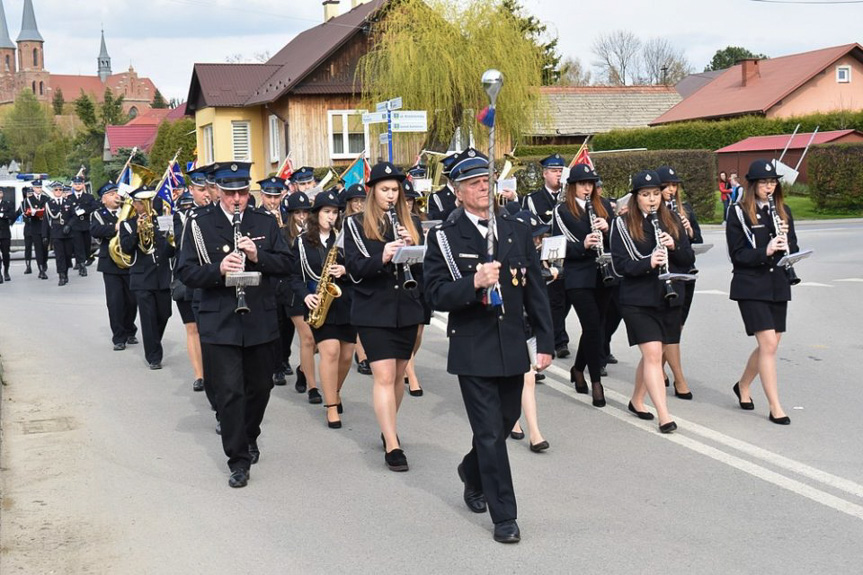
(375, 220)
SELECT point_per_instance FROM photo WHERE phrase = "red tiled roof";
(151, 117)
(778, 142)
(726, 96)
(177, 113)
(72, 86)
(130, 136)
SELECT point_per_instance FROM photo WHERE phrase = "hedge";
(836, 176)
(697, 169)
(712, 135)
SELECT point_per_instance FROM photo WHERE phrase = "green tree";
(27, 128)
(159, 100)
(85, 109)
(173, 136)
(111, 111)
(433, 56)
(537, 32)
(729, 56)
(112, 168)
(58, 102)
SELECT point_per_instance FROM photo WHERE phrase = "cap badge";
(557, 156)
(471, 153)
(234, 167)
(647, 177)
(388, 170)
(586, 169)
(768, 167)
(302, 199)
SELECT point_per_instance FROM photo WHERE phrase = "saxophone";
(327, 290)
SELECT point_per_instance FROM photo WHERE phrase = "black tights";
(590, 306)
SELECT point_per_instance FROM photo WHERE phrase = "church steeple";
(104, 61)
(29, 30)
(5, 40)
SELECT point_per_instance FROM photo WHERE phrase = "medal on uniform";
(523, 277)
(226, 248)
(514, 273)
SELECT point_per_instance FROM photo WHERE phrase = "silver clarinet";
(601, 257)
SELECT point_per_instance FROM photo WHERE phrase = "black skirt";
(388, 342)
(187, 314)
(346, 333)
(763, 315)
(646, 324)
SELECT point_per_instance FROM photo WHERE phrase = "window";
(242, 141)
(348, 136)
(35, 57)
(275, 138)
(34, 86)
(7, 62)
(208, 144)
(41, 88)
(843, 74)
(133, 112)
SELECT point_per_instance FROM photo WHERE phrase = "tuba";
(118, 256)
(327, 290)
(146, 231)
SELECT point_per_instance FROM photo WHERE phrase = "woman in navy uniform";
(336, 337)
(585, 288)
(149, 276)
(411, 380)
(670, 184)
(652, 320)
(761, 288)
(487, 342)
(122, 307)
(385, 314)
(355, 202)
(59, 212)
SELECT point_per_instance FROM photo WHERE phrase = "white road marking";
(859, 280)
(711, 292)
(814, 284)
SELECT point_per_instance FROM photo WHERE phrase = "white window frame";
(345, 144)
(207, 141)
(847, 71)
(275, 139)
(237, 152)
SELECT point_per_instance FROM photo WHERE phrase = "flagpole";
(166, 173)
(492, 82)
(126, 165)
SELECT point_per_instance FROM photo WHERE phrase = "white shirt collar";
(552, 192)
(474, 219)
(230, 215)
(581, 203)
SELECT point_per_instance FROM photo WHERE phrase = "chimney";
(749, 69)
(331, 9)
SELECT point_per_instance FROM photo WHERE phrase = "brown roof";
(726, 96)
(582, 110)
(72, 86)
(225, 85)
(302, 55)
(694, 82)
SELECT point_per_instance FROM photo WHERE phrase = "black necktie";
(483, 222)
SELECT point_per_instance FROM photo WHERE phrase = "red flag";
(582, 157)
(286, 169)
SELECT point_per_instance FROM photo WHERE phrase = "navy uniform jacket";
(82, 207)
(580, 270)
(217, 322)
(102, 223)
(59, 215)
(306, 260)
(541, 204)
(151, 272)
(379, 298)
(8, 215)
(483, 342)
(696, 234)
(756, 275)
(441, 203)
(34, 205)
(641, 285)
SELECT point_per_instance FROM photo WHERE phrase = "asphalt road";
(108, 467)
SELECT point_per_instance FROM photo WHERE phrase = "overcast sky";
(163, 38)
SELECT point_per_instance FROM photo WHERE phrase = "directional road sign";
(409, 121)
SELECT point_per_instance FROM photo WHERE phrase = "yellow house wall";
(824, 94)
(223, 149)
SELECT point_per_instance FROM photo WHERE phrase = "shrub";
(836, 176)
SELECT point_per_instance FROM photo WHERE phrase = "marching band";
(339, 270)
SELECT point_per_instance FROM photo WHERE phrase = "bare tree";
(238, 58)
(662, 63)
(617, 56)
(573, 73)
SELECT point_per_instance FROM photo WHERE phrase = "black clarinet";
(777, 221)
(601, 260)
(242, 308)
(410, 282)
(670, 294)
(693, 270)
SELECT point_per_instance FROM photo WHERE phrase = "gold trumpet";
(120, 258)
(146, 230)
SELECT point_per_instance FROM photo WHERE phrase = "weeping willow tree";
(433, 54)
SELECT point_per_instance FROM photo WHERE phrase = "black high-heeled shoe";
(687, 395)
(780, 420)
(334, 424)
(598, 401)
(300, 386)
(646, 415)
(577, 377)
(669, 427)
(747, 405)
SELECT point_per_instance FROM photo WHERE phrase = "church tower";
(104, 61)
(31, 56)
(7, 47)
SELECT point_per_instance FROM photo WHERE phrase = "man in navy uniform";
(239, 349)
(83, 204)
(150, 274)
(59, 212)
(8, 215)
(488, 349)
(442, 202)
(122, 307)
(541, 203)
(303, 179)
(34, 210)
(28, 237)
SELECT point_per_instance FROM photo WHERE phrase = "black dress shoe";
(7, 277)
(119, 346)
(279, 378)
(198, 385)
(82, 271)
(562, 352)
(507, 532)
(667, 383)
(577, 377)
(396, 460)
(337, 424)
(155, 365)
(516, 434)
(603, 372)
(28, 270)
(746, 405)
(780, 420)
(474, 498)
(646, 415)
(668, 427)
(286, 367)
(539, 377)
(364, 368)
(687, 395)
(239, 478)
(315, 396)
(598, 394)
(611, 359)
(132, 340)
(254, 452)
(300, 386)
(539, 447)
(416, 392)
